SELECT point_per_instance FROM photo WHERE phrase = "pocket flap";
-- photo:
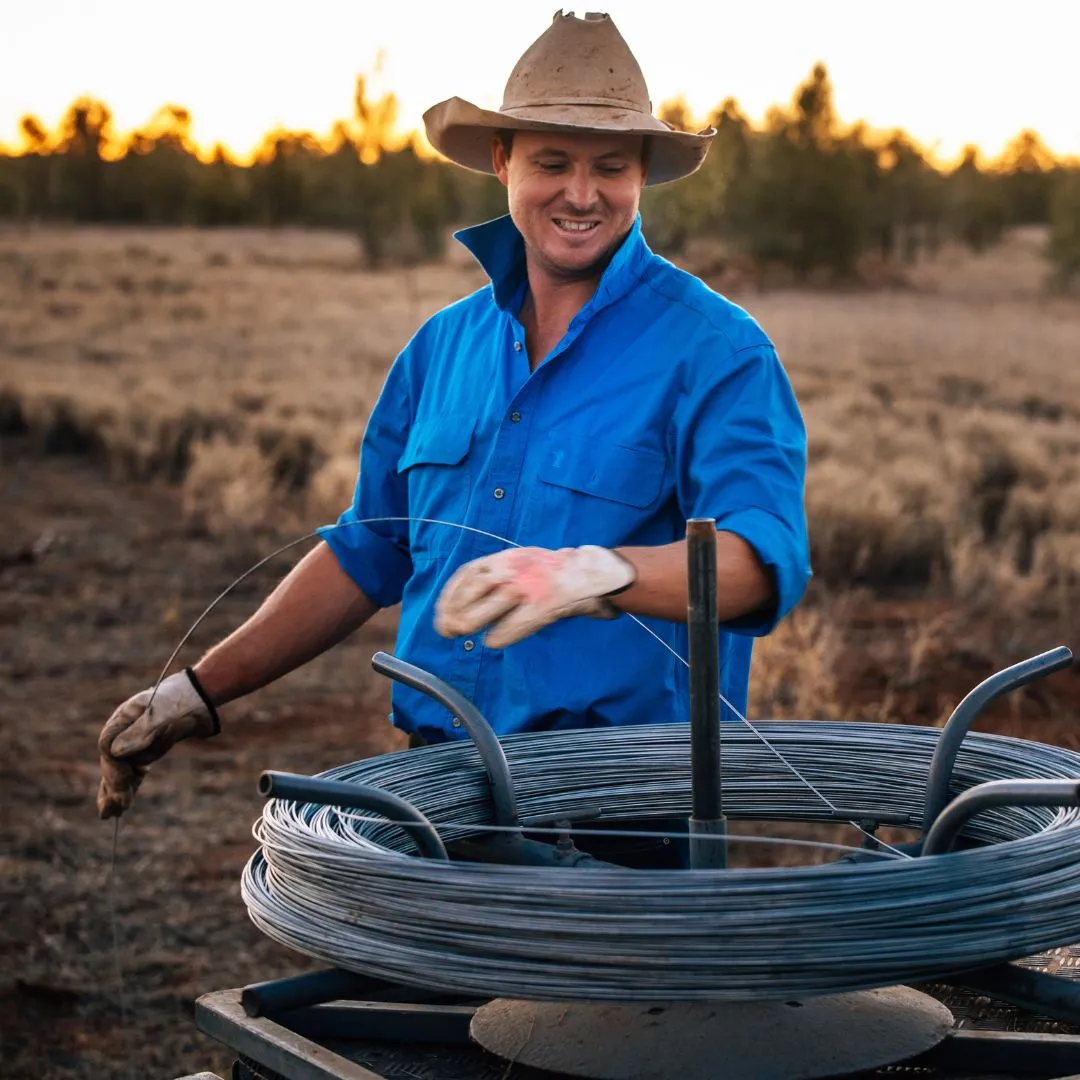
(441, 441)
(622, 474)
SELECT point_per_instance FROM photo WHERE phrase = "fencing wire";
(347, 889)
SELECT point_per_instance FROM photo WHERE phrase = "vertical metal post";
(708, 849)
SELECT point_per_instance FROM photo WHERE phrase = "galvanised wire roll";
(351, 891)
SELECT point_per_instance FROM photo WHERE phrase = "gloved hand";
(518, 591)
(134, 736)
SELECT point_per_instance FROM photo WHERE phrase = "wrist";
(629, 579)
(205, 698)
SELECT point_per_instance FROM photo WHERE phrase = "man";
(584, 405)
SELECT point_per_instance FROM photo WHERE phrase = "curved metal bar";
(966, 713)
(312, 789)
(487, 743)
(996, 793)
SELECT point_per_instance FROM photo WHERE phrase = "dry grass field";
(174, 404)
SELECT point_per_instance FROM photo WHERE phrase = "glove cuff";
(630, 569)
(198, 688)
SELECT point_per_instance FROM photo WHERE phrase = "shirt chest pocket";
(436, 466)
(592, 492)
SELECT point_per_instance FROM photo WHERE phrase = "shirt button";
(515, 417)
(517, 346)
(468, 646)
(498, 493)
(457, 722)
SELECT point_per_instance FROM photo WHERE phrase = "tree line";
(801, 191)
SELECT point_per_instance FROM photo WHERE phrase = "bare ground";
(83, 624)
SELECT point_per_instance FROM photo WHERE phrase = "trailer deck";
(426, 1037)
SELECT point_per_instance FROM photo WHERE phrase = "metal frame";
(294, 1042)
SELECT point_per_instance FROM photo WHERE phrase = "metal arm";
(491, 751)
(996, 793)
(313, 789)
(966, 713)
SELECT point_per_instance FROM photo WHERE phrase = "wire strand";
(511, 543)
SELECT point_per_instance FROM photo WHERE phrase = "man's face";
(572, 197)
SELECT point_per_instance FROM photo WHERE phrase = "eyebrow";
(552, 151)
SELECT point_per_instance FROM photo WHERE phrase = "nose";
(581, 193)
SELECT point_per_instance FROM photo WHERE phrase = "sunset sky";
(947, 71)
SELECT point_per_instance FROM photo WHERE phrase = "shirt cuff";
(377, 564)
(783, 554)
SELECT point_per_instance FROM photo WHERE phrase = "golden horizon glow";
(949, 75)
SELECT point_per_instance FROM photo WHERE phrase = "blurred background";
(219, 225)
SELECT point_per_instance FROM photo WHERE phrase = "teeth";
(575, 226)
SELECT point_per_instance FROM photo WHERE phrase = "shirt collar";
(499, 248)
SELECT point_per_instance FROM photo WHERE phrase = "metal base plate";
(771, 1040)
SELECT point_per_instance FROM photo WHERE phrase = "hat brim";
(462, 132)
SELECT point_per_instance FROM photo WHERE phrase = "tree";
(808, 202)
(976, 213)
(1026, 169)
(278, 177)
(155, 180)
(221, 196)
(1064, 247)
(34, 134)
(36, 169)
(85, 132)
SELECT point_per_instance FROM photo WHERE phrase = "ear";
(500, 160)
(646, 158)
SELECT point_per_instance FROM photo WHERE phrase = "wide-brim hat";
(578, 76)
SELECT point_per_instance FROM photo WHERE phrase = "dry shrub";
(228, 487)
(150, 443)
(795, 670)
(12, 415)
(879, 528)
(1057, 570)
(63, 425)
(332, 486)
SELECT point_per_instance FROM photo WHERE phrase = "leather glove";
(134, 736)
(516, 592)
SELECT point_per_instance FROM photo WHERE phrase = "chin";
(576, 259)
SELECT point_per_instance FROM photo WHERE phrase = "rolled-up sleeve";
(371, 538)
(741, 452)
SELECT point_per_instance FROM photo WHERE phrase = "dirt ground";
(103, 962)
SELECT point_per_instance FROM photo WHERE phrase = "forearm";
(315, 606)
(660, 585)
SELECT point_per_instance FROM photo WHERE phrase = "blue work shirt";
(663, 401)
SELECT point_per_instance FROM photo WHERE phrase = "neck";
(554, 300)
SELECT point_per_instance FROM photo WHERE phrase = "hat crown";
(578, 62)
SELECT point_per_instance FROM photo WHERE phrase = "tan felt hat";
(578, 76)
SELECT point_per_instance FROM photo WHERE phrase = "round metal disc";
(754, 1040)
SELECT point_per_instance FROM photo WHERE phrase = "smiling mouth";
(575, 226)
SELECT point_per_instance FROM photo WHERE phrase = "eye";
(612, 170)
(551, 166)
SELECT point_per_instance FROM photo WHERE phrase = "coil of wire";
(350, 890)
